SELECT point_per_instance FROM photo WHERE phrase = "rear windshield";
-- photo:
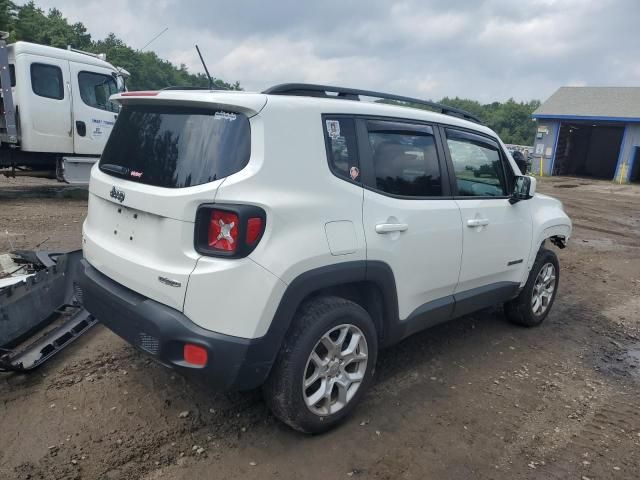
(176, 147)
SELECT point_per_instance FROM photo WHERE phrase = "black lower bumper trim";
(233, 363)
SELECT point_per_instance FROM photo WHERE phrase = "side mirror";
(120, 82)
(524, 189)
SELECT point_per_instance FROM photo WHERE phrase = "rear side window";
(95, 90)
(342, 152)
(405, 159)
(46, 81)
(477, 165)
(176, 147)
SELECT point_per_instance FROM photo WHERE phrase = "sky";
(487, 50)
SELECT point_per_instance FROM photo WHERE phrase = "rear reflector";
(142, 93)
(195, 355)
(254, 229)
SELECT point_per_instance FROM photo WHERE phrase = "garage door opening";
(587, 150)
(635, 168)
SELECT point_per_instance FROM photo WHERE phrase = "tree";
(7, 15)
(511, 120)
(148, 72)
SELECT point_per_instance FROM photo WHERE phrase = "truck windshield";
(176, 147)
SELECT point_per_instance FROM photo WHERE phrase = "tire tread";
(518, 310)
(279, 390)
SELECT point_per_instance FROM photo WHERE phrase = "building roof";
(592, 103)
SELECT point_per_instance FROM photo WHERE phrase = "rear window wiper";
(117, 169)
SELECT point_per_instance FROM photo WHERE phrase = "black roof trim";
(311, 90)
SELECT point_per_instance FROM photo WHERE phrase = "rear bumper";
(233, 363)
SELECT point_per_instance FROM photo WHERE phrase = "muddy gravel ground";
(473, 398)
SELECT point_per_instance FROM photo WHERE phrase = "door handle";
(391, 227)
(477, 222)
(81, 127)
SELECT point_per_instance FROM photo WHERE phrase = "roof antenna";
(206, 70)
(153, 39)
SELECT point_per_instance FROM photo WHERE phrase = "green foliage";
(148, 72)
(511, 120)
(7, 15)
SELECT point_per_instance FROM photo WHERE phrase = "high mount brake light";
(142, 93)
(228, 230)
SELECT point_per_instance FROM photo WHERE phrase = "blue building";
(591, 132)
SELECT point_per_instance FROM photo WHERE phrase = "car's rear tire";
(534, 302)
(325, 365)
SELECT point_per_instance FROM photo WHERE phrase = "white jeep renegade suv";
(282, 238)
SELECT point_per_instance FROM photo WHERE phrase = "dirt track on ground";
(474, 398)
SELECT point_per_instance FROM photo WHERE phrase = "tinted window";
(46, 81)
(477, 165)
(95, 90)
(176, 147)
(341, 147)
(406, 163)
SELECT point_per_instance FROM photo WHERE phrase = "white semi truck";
(55, 114)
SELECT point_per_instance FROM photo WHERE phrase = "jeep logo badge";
(117, 194)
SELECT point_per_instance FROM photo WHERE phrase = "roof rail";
(311, 90)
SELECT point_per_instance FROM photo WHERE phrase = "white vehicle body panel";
(432, 226)
(98, 122)
(44, 123)
(497, 251)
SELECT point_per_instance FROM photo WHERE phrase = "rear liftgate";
(41, 312)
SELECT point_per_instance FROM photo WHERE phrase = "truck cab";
(56, 114)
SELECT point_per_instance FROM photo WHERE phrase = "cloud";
(485, 49)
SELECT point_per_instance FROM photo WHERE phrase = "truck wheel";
(533, 304)
(325, 365)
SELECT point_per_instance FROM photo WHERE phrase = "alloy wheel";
(543, 289)
(335, 369)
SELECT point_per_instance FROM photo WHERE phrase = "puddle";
(620, 361)
(567, 185)
(634, 357)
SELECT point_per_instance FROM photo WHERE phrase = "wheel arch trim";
(304, 285)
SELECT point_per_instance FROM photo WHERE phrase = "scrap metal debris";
(41, 308)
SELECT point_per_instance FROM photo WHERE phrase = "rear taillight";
(228, 230)
(223, 231)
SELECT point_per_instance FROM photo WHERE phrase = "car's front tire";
(534, 302)
(325, 365)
